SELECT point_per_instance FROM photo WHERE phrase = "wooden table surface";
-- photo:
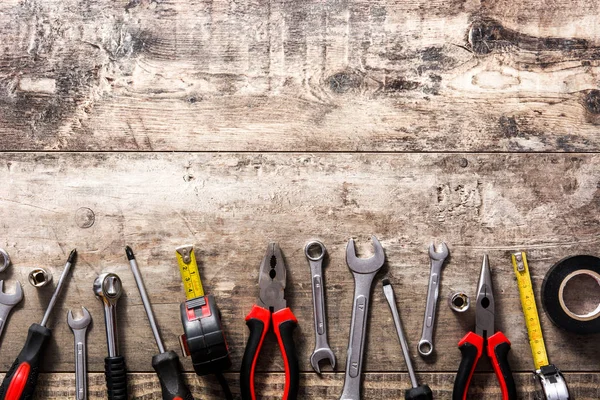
(228, 124)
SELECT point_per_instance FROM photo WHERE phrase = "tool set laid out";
(204, 338)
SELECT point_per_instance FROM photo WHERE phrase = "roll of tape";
(553, 294)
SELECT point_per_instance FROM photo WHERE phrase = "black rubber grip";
(422, 392)
(116, 377)
(287, 338)
(465, 371)
(250, 353)
(168, 369)
(501, 352)
(37, 338)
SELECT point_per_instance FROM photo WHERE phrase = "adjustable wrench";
(364, 270)
(425, 346)
(79, 328)
(7, 302)
(315, 253)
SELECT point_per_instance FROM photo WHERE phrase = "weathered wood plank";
(231, 205)
(376, 386)
(303, 75)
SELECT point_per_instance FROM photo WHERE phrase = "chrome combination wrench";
(79, 328)
(364, 271)
(7, 302)
(425, 346)
(315, 253)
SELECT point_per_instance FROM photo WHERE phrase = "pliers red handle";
(284, 322)
(471, 347)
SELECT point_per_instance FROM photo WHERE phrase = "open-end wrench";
(425, 346)
(363, 270)
(79, 328)
(7, 302)
(315, 253)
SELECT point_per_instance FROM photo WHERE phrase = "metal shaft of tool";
(59, 286)
(391, 299)
(80, 363)
(425, 346)
(140, 285)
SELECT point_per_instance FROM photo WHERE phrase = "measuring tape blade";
(190, 276)
(532, 320)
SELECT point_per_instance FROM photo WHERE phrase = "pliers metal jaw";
(495, 344)
(271, 308)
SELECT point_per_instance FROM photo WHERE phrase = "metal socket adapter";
(39, 277)
(5, 260)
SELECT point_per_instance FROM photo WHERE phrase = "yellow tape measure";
(189, 272)
(532, 320)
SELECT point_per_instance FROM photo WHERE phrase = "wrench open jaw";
(7, 302)
(364, 271)
(440, 255)
(80, 323)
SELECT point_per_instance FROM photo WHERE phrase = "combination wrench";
(364, 271)
(79, 328)
(315, 253)
(425, 346)
(7, 302)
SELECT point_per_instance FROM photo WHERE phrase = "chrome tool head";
(484, 311)
(12, 298)
(438, 255)
(365, 265)
(272, 279)
(315, 251)
(80, 323)
(5, 260)
(108, 288)
(322, 354)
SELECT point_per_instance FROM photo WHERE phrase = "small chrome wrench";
(7, 302)
(425, 346)
(363, 270)
(79, 328)
(315, 253)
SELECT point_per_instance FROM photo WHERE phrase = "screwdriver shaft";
(140, 285)
(389, 295)
(59, 286)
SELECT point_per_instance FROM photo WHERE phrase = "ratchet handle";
(116, 377)
(471, 347)
(258, 321)
(498, 347)
(169, 374)
(284, 323)
(21, 379)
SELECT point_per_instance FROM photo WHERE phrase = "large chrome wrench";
(7, 302)
(425, 345)
(79, 328)
(315, 253)
(363, 270)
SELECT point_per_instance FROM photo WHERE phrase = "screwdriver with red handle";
(166, 363)
(21, 379)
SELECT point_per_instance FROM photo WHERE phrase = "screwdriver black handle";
(21, 379)
(421, 392)
(168, 369)
(116, 377)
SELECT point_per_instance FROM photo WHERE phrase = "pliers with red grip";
(474, 343)
(271, 309)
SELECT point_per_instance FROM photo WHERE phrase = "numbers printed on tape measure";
(532, 320)
(190, 276)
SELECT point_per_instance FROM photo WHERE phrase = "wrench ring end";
(425, 347)
(311, 247)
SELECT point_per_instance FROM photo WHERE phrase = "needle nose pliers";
(270, 309)
(473, 344)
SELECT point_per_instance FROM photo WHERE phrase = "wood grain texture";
(300, 75)
(376, 386)
(231, 205)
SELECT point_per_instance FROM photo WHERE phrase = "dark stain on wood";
(343, 82)
(488, 35)
(592, 101)
(509, 126)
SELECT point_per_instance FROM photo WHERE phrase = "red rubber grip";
(471, 347)
(18, 382)
(258, 321)
(497, 349)
(284, 323)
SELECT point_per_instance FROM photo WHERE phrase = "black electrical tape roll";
(551, 296)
